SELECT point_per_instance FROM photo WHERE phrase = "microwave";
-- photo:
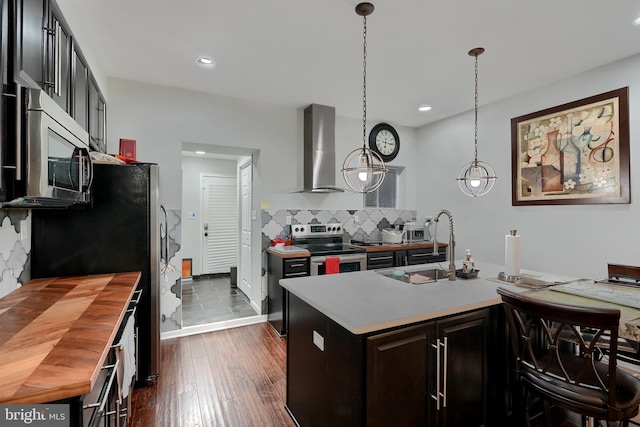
(53, 167)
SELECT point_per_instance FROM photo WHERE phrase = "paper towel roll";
(512, 255)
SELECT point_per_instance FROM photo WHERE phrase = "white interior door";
(245, 230)
(220, 224)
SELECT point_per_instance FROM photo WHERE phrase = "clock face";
(384, 140)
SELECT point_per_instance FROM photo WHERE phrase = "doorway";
(218, 291)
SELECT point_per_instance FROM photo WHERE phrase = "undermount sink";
(417, 277)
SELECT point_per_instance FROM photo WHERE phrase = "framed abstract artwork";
(575, 153)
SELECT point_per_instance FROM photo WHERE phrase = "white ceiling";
(297, 52)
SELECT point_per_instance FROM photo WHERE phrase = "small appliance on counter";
(389, 235)
(415, 231)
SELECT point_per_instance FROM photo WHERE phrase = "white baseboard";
(210, 327)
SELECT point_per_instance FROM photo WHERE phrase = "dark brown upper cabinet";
(29, 62)
(80, 79)
(48, 56)
(58, 58)
(97, 118)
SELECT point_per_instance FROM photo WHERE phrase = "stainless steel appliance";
(52, 164)
(319, 150)
(324, 241)
(120, 232)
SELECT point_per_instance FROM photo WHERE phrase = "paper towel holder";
(509, 277)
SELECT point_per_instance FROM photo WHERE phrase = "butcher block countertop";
(399, 246)
(55, 334)
(288, 251)
(296, 252)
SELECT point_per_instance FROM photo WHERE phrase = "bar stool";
(550, 372)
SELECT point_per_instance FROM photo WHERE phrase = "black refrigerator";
(120, 231)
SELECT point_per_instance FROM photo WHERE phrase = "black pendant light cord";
(476, 116)
(476, 52)
(364, 80)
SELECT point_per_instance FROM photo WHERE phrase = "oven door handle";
(343, 258)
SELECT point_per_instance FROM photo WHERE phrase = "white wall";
(161, 119)
(574, 240)
(192, 170)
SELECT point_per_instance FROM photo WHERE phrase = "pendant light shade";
(363, 169)
(476, 178)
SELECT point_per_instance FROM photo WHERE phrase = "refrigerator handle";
(164, 240)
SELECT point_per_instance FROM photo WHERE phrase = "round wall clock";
(384, 140)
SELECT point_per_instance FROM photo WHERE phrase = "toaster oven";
(414, 231)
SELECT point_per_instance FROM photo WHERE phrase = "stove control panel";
(316, 230)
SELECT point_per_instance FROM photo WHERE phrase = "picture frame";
(574, 153)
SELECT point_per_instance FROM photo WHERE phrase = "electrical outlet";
(356, 218)
(288, 219)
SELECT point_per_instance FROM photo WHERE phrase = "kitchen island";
(367, 349)
(57, 338)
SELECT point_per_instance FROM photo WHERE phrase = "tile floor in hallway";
(212, 299)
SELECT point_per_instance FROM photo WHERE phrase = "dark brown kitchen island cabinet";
(433, 373)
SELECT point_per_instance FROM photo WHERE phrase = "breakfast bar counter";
(366, 302)
(370, 348)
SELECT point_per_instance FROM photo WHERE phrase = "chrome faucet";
(452, 243)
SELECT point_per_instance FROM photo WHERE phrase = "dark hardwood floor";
(230, 378)
(234, 377)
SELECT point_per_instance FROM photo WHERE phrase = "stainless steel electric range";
(328, 253)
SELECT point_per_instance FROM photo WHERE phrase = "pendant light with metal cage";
(363, 169)
(476, 178)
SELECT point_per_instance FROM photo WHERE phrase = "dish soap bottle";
(469, 264)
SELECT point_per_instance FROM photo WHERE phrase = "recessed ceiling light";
(205, 61)
(200, 152)
(636, 22)
(424, 107)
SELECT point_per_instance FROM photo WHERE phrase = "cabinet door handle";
(58, 63)
(108, 392)
(304, 273)
(19, 113)
(436, 396)
(444, 368)
(378, 258)
(419, 255)
(101, 405)
(296, 265)
(138, 295)
(137, 356)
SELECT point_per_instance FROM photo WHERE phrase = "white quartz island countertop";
(366, 301)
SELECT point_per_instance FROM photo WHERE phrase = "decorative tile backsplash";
(366, 224)
(15, 246)
(171, 278)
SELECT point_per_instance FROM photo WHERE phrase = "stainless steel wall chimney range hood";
(319, 150)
